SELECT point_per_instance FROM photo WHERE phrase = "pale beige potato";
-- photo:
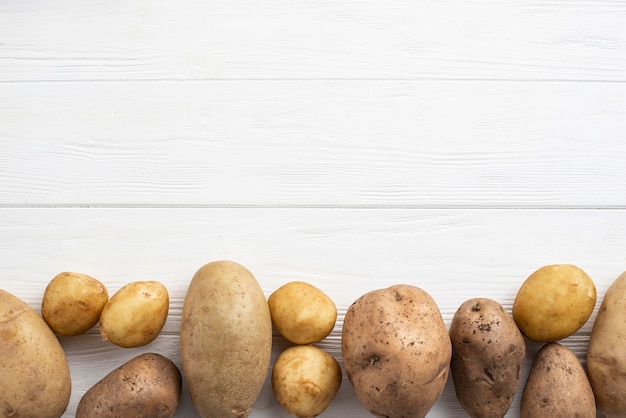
(606, 356)
(396, 351)
(148, 385)
(72, 303)
(135, 314)
(302, 313)
(488, 352)
(225, 340)
(557, 386)
(305, 380)
(554, 302)
(35, 377)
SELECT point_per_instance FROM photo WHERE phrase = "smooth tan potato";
(554, 302)
(606, 357)
(396, 351)
(305, 380)
(225, 340)
(34, 375)
(488, 353)
(149, 385)
(557, 386)
(135, 314)
(302, 313)
(72, 303)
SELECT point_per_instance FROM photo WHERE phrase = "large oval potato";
(148, 385)
(34, 374)
(606, 360)
(488, 352)
(396, 351)
(225, 340)
(557, 386)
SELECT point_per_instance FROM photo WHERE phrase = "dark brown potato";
(396, 351)
(148, 386)
(488, 352)
(557, 386)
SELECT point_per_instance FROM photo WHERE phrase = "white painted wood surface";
(454, 145)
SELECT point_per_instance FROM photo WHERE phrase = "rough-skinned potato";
(305, 380)
(554, 302)
(606, 359)
(149, 385)
(396, 351)
(557, 386)
(302, 313)
(225, 340)
(488, 352)
(72, 303)
(135, 314)
(34, 374)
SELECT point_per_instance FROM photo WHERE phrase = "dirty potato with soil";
(396, 351)
(488, 352)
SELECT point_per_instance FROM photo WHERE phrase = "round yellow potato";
(606, 363)
(34, 374)
(72, 303)
(135, 314)
(302, 313)
(554, 302)
(396, 351)
(557, 386)
(305, 380)
(225, 340)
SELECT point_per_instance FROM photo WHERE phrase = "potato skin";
(396, 351)
(488, 352)
(606, 364)
(557, 386)
(225, 340)
(34, 374)
(72, 303)
(148, 386)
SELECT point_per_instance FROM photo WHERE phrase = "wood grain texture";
(452, 254)
(391, 144)
(280, 39)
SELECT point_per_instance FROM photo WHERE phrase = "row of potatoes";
(397, 352)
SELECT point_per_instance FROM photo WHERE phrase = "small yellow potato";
(557, 386)
(396, 351)
(135, 314)
(148, 385)
(72, 303)
(305, 380)
(34, 374)
(302, 313)
(225, 340)
(606, 356)
(488, 352)
(554, 302)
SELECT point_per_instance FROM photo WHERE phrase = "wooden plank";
(398, 39)
(453, 254)
(392, 144)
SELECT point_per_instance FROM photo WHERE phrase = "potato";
(557, 386)
(396, 351)
(225, 340)
(72, 303)
(554, 302)
(149, 385)
(135, 314)
(606, 362)
(302, 313)
(305, 380)
(488, 353)
(34, 374)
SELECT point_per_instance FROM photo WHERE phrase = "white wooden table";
(454, 145)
